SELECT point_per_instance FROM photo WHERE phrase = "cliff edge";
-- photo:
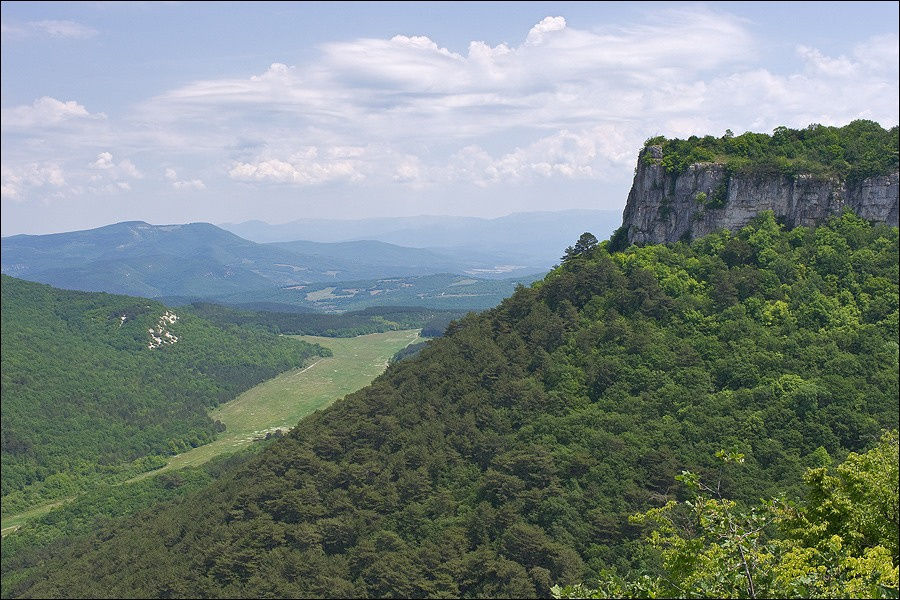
(667, 207)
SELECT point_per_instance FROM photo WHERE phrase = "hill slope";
(508, 454)
(95, 384)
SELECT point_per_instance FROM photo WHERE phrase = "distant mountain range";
(533, 238)
(136, 258)
(199, 261)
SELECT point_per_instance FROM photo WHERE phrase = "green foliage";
(85, 399)
(720, 194)
(841, 542)
(24, 551)
(856, 151)
(584, 246)
(510, 453)
(618, 241)
(408, 352)
(349, 324)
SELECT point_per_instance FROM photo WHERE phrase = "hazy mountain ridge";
(531, 236)
(199, 261)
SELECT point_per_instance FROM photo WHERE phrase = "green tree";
(585, 245)
(841, 542)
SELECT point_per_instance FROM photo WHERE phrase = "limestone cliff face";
(705, 198)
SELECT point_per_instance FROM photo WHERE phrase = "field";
(281, 402)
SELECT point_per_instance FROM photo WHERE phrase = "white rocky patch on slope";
(160, 334)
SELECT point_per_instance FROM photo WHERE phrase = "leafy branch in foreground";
(840, 542)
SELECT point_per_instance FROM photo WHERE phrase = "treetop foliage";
(856, 151)
(840, 541)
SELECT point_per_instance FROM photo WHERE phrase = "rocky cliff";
(665, 207)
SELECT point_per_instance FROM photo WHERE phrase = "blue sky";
(175, 112)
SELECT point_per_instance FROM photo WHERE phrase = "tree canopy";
(840, 541)
(858, 150)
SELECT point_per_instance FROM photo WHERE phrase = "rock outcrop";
(664, 207)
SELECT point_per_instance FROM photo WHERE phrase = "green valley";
(280, 403)
(98, 387)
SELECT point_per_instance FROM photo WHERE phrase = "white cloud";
(538, 32)
(127, 168)
(193, 184)
(561, 103)
(64, 29)
(302, 168)
(825, 65)
(409, 170)
(124, 168)
(49, 28)
(585, 154)
(15, 183)
(104, 161)
(46, 111)
(187, 184)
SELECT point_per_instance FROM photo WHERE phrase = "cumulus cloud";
(585, 154)
(15, 182)
(185, 184)
(193, 184)
(562, 102)
(124, 168)
(537, 33)
(104, 161)
(46, 111)
(127, 168)
(304, 167)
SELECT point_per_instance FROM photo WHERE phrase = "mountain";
(199, 261)
(158, 260)
(96, 385)
(508, 455)
(689, 188)
(531, 239)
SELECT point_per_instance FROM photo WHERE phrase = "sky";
(173, 112)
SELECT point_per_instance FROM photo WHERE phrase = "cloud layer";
(564, 103)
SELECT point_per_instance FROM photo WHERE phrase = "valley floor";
(280, 402)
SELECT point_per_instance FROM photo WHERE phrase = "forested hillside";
(508, 456)
(375, 319)
(96, 385)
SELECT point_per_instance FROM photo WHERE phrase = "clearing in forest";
(282, 401)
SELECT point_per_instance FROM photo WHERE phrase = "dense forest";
(97, 386)
(858, 150)
(374, 319)
(508, 456)
(838, 541)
